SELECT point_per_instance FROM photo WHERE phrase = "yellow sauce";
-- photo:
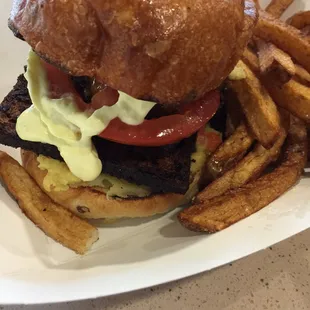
(59, 122)
(237, 74)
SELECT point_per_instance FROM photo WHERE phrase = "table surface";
(276, 278)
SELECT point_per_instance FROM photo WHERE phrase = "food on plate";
(221, 204)
(113, 111)
(306, 31)
(133, 110)
(257, 3)
(53, 219)
(284, 36)
(278, 7)
(300, 20)
(139, 47)
(302, 75)
(251, 60)
(248, 169)
(93, 202)
(211, 215)
(259, 109)
(294, 97)
(274, 62)
(109, 125)
(230, 152)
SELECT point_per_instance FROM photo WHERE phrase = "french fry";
(259, 109)
(230, 152)
(251, 60)
(293, 97)
(274, 62)
(284, 36)
(300, 20)
(306, 31)
(55, 221)
(302, 75)
(222, 211)
(248, 169)
(285, 119)
(278, 7)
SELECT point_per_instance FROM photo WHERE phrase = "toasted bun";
(166, 50)
(93, 204)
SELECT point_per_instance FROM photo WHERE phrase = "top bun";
(166, 50)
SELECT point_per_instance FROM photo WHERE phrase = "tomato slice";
(59, 83)
(155, 132)
(167, 129)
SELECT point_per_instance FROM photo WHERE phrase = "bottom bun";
(90, 203)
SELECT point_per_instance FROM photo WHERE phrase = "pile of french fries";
(265, 151)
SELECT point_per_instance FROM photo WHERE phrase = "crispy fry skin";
(251, 60)
(56, 222)
(306, 31)
(300, 20)
(278, 7)
(222, 211)
(274, 62)
(302, 75)
(293, 97)
(248, 169)
(259, 109)
(230, 152)
(286, 37)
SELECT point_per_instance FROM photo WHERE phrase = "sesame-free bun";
(166, 50)
(90, 203)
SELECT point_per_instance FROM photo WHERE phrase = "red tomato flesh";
(155, 132)
(167, 129)
(210, 140)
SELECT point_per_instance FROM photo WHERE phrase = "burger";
(119, 105)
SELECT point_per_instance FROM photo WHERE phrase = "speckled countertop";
(276, 278)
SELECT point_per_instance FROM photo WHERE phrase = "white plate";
(131, 254)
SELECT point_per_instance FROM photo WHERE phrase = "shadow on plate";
(147, 239)
(153, 241)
